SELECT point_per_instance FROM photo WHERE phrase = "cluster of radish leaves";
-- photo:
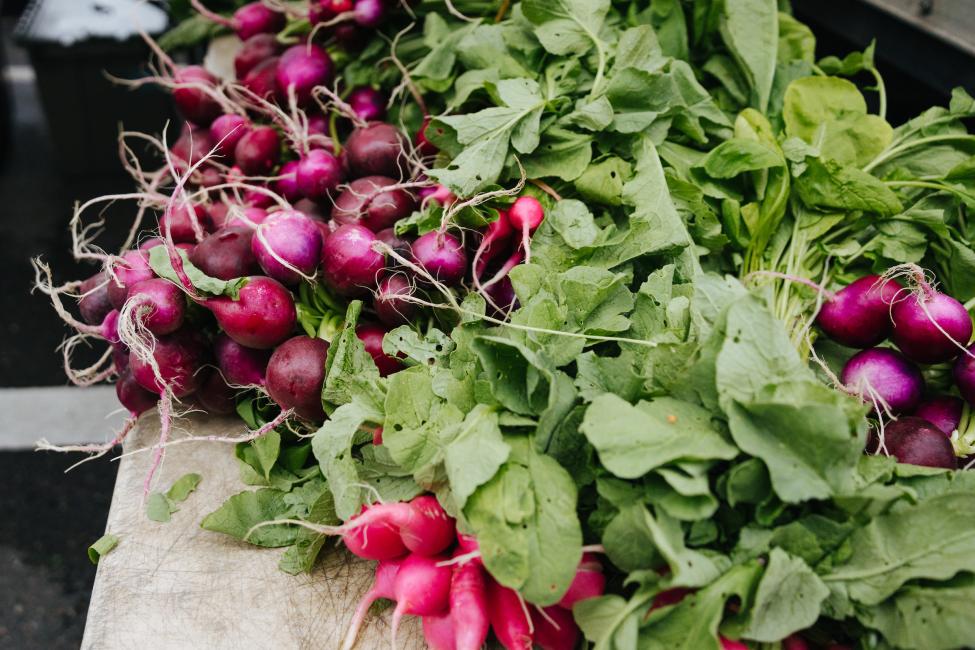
(640, 397)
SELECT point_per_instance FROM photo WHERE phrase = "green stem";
(941, 187)
(970, 304)
(894, 151)
(882, 91)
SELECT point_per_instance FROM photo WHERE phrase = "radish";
(258, 151)
(858, 315)
(794, 642)
(251, 19)
(526, 215)
(375, 150)
(423, 146)
(368, 103)
(377, 541)
(372, 339)
(262, 79)
(255, 50)
(422, 523)
(369, 13)
(240, 366)
(226, 254)
(190, 147)
(192, 101)
(215, 396)
(262, 316)
(94, 303)
(226, 131)
(288, 246)
(468, 605)
(349, 263)
(377, 436)
(133, 268)
(287, 183)
(421, 588)
(159, 305)
(442, 256)
(502, 295)
(964, 375)
(916, 441)
(318, 175)
(554, 629)
(588, 582)
(439, 194)
(136, 399)
(208, 177)
(301, 68)
(179, 357)
(467, 544)
(438, 632)
(295, 374)
(496, 239)
(929, 326)
(728, 644)
(220, 216)
(509, 617)
(884, 378)
(185, 223)
(382, 587)
(389, 303)
(943, 411)
(366, 202)
(389, 237)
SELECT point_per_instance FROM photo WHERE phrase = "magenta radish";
(374, 202)
(262, 316)
(916, 441)
(190, 147)
(554, 629)
(421, 588)
(502, 295)
(930, 326)
(184, 223)
(214, 395)
(884, 378)
(943, 411)
(377, 541)
(442, 256)
(382, 587)
(191, 97)
(423, 526)
(287, 183)
(159, 305)
(258, 151)
(249, 20)
(239, 365)
(588, 582)
(255, 50)
(288, 246)
(225, 132)
(468, 605)
(509, 617)
(179, 357)
(133, 268)
(964, 375)
(439, 194)
(794, 642)
(94, 303)
(367, 103)
(221, 215)
(350, 265)
(369, 13)
(208, 177)
(301, 68)
(376, 150)
(729, 644)
(295, 374)
(391, 304)
(372, 339)
(136, 399)
(526, 215)
(262, 79)
(377, 436)
(318, 175)
(438, 632)
(858, 315)
(423, 145)
(226, 254)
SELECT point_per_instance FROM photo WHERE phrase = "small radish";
(262, 316)
(390, 302)
(288, 246)
(190, 147)
(377, 436)
(255, 50)
(372, 339)
(94, 303)
(373, 202)
(226, 254)
(943, 411)
(249, 20)
(509, 617)
(794, 642)
(258, 151)
(226, 131)
(526, 215)
(884, 378)
(467, 544)
(262, 79)
(442, 256)
(303, 67)
(369, 13)
(368, 103)
(423, 146)
(389, 237)
(930, 326)
(350, 265)
(964, 375)
(421, 588)
(239, 365)
(377, 541)
(376, 149)
(422, 523)
(588, 582)
(497, 236)
(295, 374)
(179, 357)
(382, 587)
(287, 183)
(136, 399)
(468, 605)
(555, 629)
(133, 268)
(438, 632)
(858, 315)
(502, 295)
(192, 101)
(916, 441)
(728, 644)
(318, 175)
(185, 223)
(214, 395)
(158, 304)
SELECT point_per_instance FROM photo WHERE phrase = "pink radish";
(303, 67)
(192, 101)
(422, 523)
(251, 19)
(377, 541)
(374, 202)
(226, 254)
(509, 617)
(239, 365)
(555, 629)
(350, 265)
(94, 303)
(262, 79)
(368, 103)
(258, 151)
(728, 644)
(438, 632)
(442, 256)
(421, 588)
(288, 246)
(588, 582)
(185, 223)
(468, 604)
(390, 303)
(526, 215)
(372, 339)
(884, 378)
(256, 50)
(318, 174)
(226, 131)
(382, 587)
(496, 237)
(262, 316)
(159, 304)
(133, 269)
(136, 399)
(375, 150)
(287, 183)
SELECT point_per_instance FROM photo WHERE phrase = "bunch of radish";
(430, 571)
(924, 326)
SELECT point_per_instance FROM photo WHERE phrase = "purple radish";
(858, 315)
(318, 174)
(943, 411)
(350, 265)
(136, 399)
(369, 13)
(133, 269)
(372, 339)
(368, 103)
(288, 245)
(190, 147)
(179, 356)
(191, 99)
(391, 304)
(262, 316)
(301, 68)
(368, 202)
(249, 20)
(183, 222)
(94, 303)
(226, 131)
(442, 256)
(159, 304)
(389, 237)
(964, 374)
(376, 150)
(262, 79)
(258, 151)
(502, 294)
(287, 183)
(221, 216)
(916, 441)
(239, 365)
(256, 50)
(930, 326)
(226, 254)
(215, 396)
(295, 374)
(881, 376)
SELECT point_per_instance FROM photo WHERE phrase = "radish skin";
(509, 618)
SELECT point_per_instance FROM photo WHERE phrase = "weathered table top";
(175, 585)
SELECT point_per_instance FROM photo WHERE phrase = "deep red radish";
(179, 357)
(225, 132)
(350, 36)
(215, 396)
(109, 329)
(190, 147)
(729, 644)
(588, 582)
(369, 13)
(858, 315)
(469, 605)
(930, 326)
(391, 304)
(255, 50)
(421, 588)
(422, 523)
(262, 316)
(221, 215)
(367, 202)
(555, 629)
(350, 265)
(377, 436)
(191, 97)
(301, 68)
(262, 79)
(133, 268)
(239, 365)
(288, 246)
(442, 256)
(439, 194)
(287, 183)
(378, 541)
(526, 213)
(159, 305)
(502, 294)
(964, 375)
(423, 146)
(509, 620)
(136, 399)
(916, 441)
(258, 151)
(389, 237)
(368, 103)
(943, 411)
(884, 378)
(251, 19)
(794, 642)
(184, 222)
(382, 587)
(152, 242)
(438, 632)
(94, 303)
(226, 254)
(669, 597)
(318, 175)
(295, 374)
(376, 150)
(372, 339)
(208, 177)
(467, 544)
